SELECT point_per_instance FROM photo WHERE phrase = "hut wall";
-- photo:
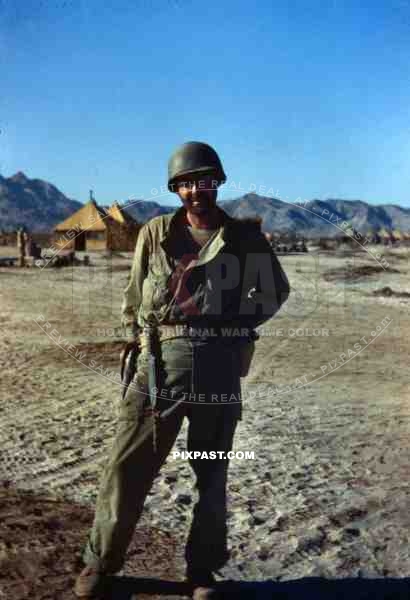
(123, 237)
(132, 236)
(8, 238)
(96, 240)
(62, 241)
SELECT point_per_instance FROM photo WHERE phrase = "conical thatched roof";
(96, 218)
(120, 215)
(90, 216)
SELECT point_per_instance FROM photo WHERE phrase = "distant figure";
(29, 244)
(21, 245)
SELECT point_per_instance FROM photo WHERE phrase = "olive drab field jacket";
(235, 279)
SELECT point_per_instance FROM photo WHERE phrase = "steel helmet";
(194, 157)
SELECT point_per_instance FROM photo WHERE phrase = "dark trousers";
(204, 374)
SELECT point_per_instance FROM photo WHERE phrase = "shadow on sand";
(307, 588)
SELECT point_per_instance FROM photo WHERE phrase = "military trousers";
(200, 381)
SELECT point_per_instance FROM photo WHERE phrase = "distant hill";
(311, 220)
(34, 203)
(144, 210)
(40, 206)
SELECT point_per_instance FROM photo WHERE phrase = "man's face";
(198, 192)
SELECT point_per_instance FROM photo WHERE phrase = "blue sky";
(310, 99)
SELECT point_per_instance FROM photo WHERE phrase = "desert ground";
(327, 493)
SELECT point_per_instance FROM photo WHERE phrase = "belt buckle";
(182, 329)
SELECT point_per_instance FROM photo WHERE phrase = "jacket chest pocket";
(158, 265)
(156, 293)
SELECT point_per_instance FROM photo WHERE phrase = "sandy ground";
(327, 492)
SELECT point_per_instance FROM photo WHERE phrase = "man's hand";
(130, 345)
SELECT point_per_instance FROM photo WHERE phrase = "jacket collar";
(178, 217)
(172, 228)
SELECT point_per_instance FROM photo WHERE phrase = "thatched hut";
(397, 234)
(386, 236)
(95, 227)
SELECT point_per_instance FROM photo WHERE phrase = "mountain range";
(39, 206)
(34, 203)
(316, 218)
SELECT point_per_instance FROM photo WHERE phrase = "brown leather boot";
(90, 583)
(204, 593)
(202, 584)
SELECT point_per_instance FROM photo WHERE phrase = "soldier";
(200, 283)
(21, 244)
